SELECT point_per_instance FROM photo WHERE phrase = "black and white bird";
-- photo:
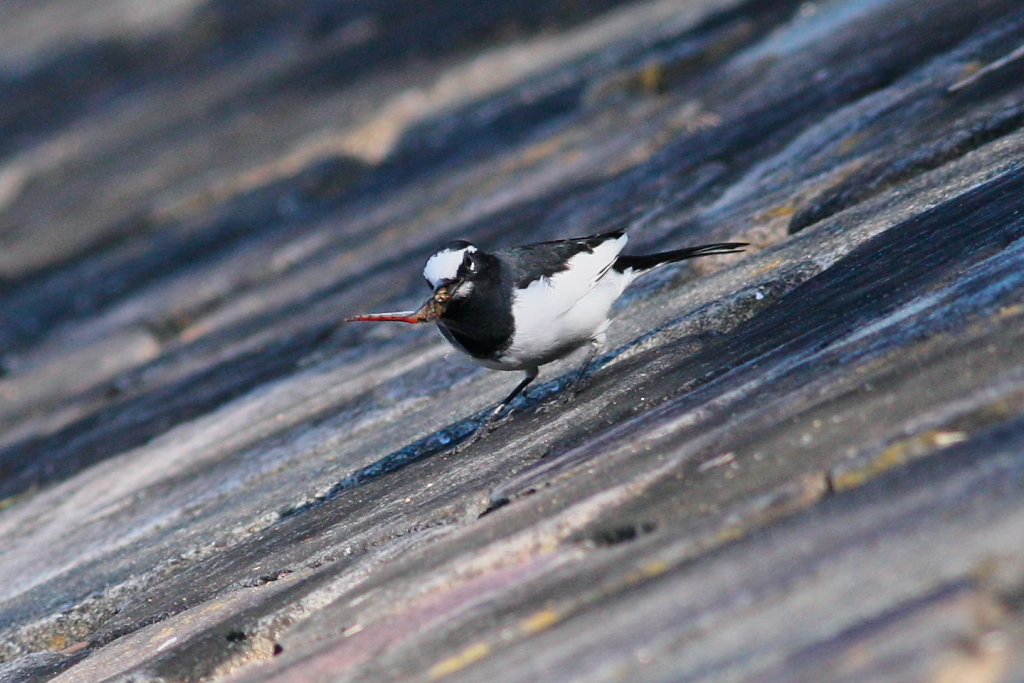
(520, 308)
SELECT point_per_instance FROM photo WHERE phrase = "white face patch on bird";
(444, 266)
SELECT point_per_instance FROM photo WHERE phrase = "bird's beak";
(431, 310)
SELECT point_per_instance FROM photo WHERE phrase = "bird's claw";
(491, 423)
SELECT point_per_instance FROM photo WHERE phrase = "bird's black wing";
(544, 259)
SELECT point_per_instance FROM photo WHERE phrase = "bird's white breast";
(558, 314)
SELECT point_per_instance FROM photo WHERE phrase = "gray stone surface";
(802, 463)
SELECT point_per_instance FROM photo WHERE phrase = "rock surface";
(805, 462)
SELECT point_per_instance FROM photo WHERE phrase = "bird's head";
(455, 266)
(450, 273)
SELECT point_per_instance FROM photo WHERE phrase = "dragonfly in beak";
(430, 311)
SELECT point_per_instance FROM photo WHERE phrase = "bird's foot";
(568, 395)
(563, 399)
(472, 439)
(492, 422)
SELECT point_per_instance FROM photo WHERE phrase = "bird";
(520, 308)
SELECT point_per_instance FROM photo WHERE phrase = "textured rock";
(800, 463)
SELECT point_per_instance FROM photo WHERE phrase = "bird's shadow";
(450, 438)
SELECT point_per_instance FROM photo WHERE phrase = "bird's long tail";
(645, 263)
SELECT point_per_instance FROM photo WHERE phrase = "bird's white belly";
(553, 320)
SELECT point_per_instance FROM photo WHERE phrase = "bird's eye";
(468, 264)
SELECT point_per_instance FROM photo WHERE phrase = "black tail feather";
(650, 261)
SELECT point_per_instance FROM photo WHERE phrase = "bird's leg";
(579, 378)
(531, 375)
(492, 420)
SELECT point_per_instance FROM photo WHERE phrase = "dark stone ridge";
(804, 462)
